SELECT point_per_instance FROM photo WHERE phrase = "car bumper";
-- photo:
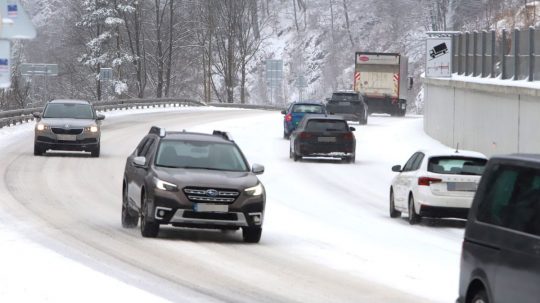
(443, 212)
(81, 144)
(442, 206)
(350, 117)
(169, 209)
(337, 150)
(426, 197)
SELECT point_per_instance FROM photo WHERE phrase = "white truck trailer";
(382, 79)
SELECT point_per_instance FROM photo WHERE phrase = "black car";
(192, 180)
(500, 260)
(350, 105)
(323, 136)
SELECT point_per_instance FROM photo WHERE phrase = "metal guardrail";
(14, 117)
(492, 54)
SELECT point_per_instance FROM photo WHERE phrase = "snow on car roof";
(438, 152)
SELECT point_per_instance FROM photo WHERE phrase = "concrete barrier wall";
(494, 117)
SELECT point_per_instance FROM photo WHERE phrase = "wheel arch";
(474, 287)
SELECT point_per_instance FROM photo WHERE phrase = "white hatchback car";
(437, 184)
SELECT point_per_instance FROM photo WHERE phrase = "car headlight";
(92, 129)
(256, 190)
(41, 127)
(163, 185)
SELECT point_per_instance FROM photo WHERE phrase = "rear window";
(512, 199)
(308, 108)
(345, 97)
(457, 166)
(326, 125)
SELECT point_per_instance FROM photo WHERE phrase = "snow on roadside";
(28, 271)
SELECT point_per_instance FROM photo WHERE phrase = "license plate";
(327, 139)
(461, 186)
(345, 103)
(213, 208)
(67, 137)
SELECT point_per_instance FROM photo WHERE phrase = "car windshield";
(457, 165)
(326, 125)
(69, 110)
(308, 109)
(200, 155)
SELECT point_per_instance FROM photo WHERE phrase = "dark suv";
(500, 261)
(323, 136)
(192, 180)
(70, 125)
(350, 105)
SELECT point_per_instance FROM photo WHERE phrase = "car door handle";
(536, 248)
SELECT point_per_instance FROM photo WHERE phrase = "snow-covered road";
(327, 235)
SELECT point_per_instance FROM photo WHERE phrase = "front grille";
(211, 216)
(211, 195)
(63, 131)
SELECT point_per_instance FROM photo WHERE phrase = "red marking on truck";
(364, 58)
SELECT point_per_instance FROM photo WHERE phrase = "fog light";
(161, 212)
(257, 218)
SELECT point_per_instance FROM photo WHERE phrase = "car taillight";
(304, 135)
(348, 136)
(288, 118)
(427, 181)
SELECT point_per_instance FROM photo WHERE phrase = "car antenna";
(457, 148)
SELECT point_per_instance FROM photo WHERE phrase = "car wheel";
(128, 220)
(480, 297)
(413, 217)
(393, 212)
(38, 150)
(251, 234)
(148, 229)
(95, 152)
(293, 155)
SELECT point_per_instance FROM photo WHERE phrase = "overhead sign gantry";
(15, 24)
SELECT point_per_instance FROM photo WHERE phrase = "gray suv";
(500, 259)
(192, 180)
(348, 104)
(70, 125)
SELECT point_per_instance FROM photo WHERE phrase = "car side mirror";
(283, 112)
(139, 161)
(257, 169)
(352, 128)
(36, 115)
(396, 168)
(100, 117)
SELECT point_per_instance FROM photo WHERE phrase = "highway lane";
(72, 204)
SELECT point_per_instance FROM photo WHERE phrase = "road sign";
(439, 57)
(274, 73)
(39, 69)
(301, 82)
(5, 64)
(105, 74)
(15, 22)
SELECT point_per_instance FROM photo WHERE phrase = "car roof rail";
(156, 130)
(225, 135)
